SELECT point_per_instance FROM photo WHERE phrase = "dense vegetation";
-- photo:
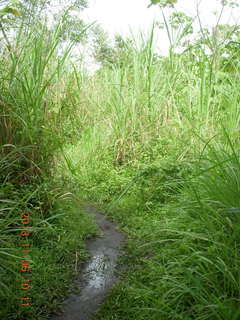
(153, 140)
(32, 118)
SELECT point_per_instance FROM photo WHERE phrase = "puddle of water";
(97, 270)
(97, 275)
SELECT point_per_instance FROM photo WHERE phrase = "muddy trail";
(98, 274)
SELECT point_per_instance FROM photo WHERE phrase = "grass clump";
(31, 119)
(155, 155)
(154, 141)
(57, 248)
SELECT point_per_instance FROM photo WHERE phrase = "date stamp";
(25, 262)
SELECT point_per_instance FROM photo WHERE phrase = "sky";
(121, 16)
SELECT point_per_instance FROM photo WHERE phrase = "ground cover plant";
(160, 152)
(30, 124)
(153, 140)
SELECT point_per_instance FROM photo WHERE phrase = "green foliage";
(31, 121)
(146, 153)
(163, 3)
(57, 249)
(136, 137)
(9, 10)
(107, 53)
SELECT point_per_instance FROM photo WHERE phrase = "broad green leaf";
(10, 10)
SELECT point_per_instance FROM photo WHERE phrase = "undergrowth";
(43, 227)
(160, 153)
(154, 141)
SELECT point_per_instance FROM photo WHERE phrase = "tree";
(103, 51)
(163, 3)
(109, 53)
(43, 11)
(171, 3)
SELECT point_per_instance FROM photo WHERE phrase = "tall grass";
(29, 116)
(156, 138)
(32, 118)
(159, 143)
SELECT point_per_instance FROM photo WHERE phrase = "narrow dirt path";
(98, 274)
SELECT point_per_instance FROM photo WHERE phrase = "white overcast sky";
(119, 16)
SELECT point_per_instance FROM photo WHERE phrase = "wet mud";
(98, 274)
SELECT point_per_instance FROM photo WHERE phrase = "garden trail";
(98, 274)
